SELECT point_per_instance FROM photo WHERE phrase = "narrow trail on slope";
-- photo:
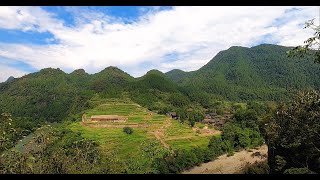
(159, 133)
(230, 165)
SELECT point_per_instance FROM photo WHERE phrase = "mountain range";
(262, 73)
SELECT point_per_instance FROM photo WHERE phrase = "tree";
(293, 134)
(128, 130)
(192, 122)
(246, 118)
(311, 45)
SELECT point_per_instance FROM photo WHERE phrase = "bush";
(298, 171)
(257, 168)
(128, 130)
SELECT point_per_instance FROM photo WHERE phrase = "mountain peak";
(154, 71)
(175, 71)
(79, 72)
(111, 68)
(113, 71)
(10, 79)
(237, 47)
(51, 70)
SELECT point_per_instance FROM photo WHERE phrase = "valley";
(206, 121)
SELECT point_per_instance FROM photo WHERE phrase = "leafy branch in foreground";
(311, 45)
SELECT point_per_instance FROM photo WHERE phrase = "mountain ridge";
(261, 73)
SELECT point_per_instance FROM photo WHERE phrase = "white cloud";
(195, 34)
(6, 72)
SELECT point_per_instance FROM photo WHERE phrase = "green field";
(112, 139)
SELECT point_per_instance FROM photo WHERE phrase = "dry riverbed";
(232, 164)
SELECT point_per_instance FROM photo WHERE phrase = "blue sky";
(138, 39)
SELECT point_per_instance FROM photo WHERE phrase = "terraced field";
(148, 126)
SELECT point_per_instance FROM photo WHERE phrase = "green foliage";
(13, 129)
(180, 160)
(178, 100)
(217, 146)
(246, 118)
(53, 150)
(49, 94)
(293, 134)
(257, 168)
(262, 72)
(241, 137)
(311, 46)
(298, 171)
(192, 122)
(185, 159)
(190, 115)
(6, 131)
(128, 130)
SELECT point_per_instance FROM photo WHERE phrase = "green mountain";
(262, 72)
(178, 75)
(49, 94)
(110, 80)
(10, 79)
(155, 79)
(52, 95)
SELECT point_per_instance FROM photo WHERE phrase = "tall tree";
(293, 135)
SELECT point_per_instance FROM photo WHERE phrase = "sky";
(138, 39)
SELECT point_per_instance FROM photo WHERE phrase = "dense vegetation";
(236, 135)
(262, 72)
(257, 76)
(293, 135)
(53, 150)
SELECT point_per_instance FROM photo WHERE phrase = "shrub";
(298, 171)
(201, 126)
(128, 130)
(257, 168)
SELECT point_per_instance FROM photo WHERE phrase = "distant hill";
(178, 75)
(155, 79)
(262, 72)
(10, 79)
(53, 95)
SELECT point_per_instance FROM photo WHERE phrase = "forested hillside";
(262, 72)
(52, 94)
(259, 73)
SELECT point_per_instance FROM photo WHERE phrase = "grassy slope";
(114, 139)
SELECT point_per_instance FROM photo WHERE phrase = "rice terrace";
(147, 126)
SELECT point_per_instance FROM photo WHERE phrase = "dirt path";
(156, 134)
(159, 133)
(229, 165)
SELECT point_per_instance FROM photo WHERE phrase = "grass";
(188, 144)
(178, 129)
(129, 146)
(114, 138)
